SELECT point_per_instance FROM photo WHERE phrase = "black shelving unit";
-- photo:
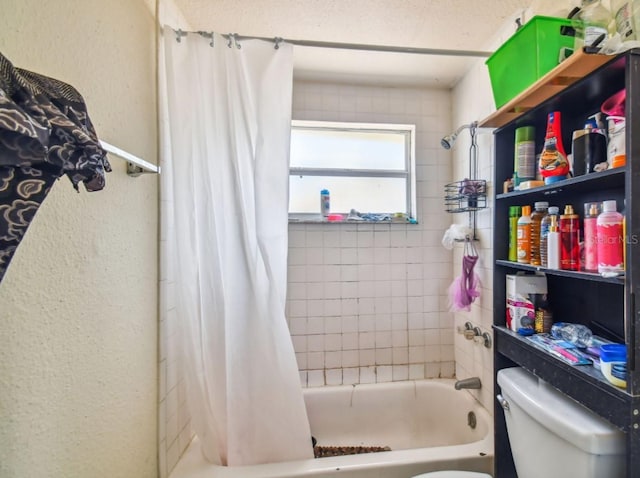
(607, 305)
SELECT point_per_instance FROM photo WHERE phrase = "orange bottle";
(540, 211)
(524, 236)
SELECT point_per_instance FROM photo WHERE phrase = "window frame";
(409, 171)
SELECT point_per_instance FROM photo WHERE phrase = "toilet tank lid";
(560, 414)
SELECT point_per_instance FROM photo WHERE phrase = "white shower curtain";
(225, 184)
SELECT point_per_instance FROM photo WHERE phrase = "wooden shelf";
(611, 178)
(565, 74)
(564, 273)
(582, 383)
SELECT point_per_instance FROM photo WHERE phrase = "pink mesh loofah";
(464, 289)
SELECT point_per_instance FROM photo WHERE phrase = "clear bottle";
(591, 212)
(593, 22)
(514, 214)
(540, 210)
(627, 15)
(325, 202)
(610, 239)
(577, 334)
(553, 244)
(524, 236)
(570, 240)
(544, 233)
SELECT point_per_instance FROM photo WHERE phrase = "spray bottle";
(627, 16)
(591, 211)
(553, 244)
(544, 234)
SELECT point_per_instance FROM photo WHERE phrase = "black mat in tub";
(324, 451)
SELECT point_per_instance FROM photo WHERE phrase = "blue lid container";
(613, 364)
(526, 331)
(613, 353)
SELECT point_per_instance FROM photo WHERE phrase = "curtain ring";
(233, 40)
(277, 41)
(208, 35)
(179, 34)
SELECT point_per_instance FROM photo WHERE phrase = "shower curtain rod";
(345, 46)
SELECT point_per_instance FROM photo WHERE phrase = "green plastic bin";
(528, 55)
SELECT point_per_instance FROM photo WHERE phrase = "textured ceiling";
(441, 24)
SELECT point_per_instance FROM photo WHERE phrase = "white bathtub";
(424, 422)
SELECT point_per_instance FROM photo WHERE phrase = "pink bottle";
(610, 239)
(591, 212)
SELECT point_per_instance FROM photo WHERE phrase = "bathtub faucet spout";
(473, 382)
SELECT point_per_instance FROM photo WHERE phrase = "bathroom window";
(366, 167)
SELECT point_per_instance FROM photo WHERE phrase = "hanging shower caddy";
(465, 196)
(470, 194)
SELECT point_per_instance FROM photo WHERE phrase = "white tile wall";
(473, 100)
(367, 302)
(174, 420)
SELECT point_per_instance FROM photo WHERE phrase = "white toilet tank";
(552, 436)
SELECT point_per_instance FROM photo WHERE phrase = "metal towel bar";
(135, 165)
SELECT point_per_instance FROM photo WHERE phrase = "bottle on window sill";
(325, 203)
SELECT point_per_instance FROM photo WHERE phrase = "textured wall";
(78, 305)
(366, 303)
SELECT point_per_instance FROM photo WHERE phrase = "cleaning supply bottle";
(325, 202)
(553, 243)
(554, 165)
(514, 215)
(544, 233)
(592, 27)
(570, 240)
(591, 212)
(540, 210)
(610, 239)
(524, 168)
(524, 236)
(627, 18)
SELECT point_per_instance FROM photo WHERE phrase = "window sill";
(367, 222)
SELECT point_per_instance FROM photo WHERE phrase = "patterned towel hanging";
(45, 133)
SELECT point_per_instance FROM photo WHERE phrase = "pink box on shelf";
(520, 307)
